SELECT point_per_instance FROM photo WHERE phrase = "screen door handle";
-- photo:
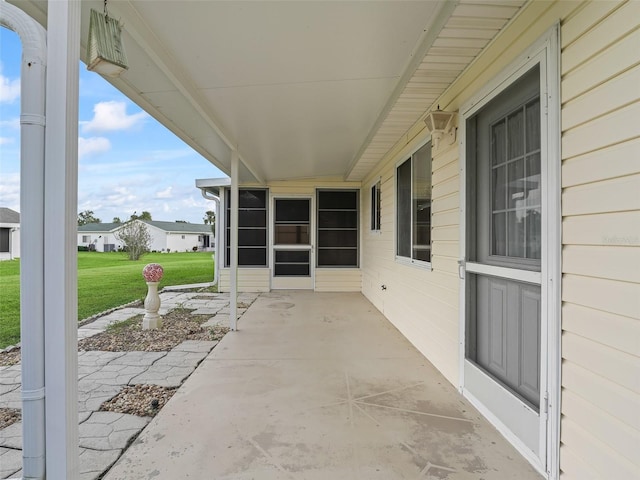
(461, 268)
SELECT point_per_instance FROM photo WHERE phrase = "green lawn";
(105, 280)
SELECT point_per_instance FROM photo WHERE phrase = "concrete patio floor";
(318, 386)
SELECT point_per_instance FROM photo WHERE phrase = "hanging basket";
(105, 52)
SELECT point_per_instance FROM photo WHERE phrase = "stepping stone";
(163, 375)
(10, 462)
(142, 359)
(110, 430)
(92, 395)
(93, 462)
(114, 374)
(195, 346)
(11, 437)
(182, 359)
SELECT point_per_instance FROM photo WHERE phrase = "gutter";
(32, 130)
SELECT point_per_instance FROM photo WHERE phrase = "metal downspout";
(32, 131)
(216, 266)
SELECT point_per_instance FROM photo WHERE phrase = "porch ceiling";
(301, 89)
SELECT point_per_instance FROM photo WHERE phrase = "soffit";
(469, 29)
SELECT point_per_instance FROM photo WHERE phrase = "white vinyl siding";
(249, 280)
(600, 64)
(601, 242)
(338, 280)
(421, 303)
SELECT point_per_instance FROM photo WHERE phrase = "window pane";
(422, 203)
(515, 233)
(292, 256)
(337, 199)
(291, 270)
(289, 210)
(337, 257)
(403, 209)
(533, 226)
(252, 198)
(251, 237)
(251, 257)
(515, 128)
(499, 234)
(498, 143)
(516, 187)
(498, 188)
(337, 219)
(291, 234)
(252, 218)
(338, 238)
(533, 125)
(292, 263)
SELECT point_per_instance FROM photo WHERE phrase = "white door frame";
(292, 283)
(545, 52)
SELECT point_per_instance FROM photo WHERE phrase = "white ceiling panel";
(300, 88)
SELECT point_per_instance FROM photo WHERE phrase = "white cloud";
(9, 89)
(6, 140)
(13, 123)
(92, 146)
(166, 193)
(10, 190)
(112, 116)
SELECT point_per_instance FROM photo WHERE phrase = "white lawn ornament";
(152, 273)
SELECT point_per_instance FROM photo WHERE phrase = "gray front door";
(504, 253)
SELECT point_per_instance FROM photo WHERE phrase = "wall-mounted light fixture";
(440, 125)
(105, 53)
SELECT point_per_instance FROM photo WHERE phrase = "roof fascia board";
(429, 36)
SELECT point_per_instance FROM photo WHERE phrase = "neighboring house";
(505, 246)
(9, 234)
(165, 236)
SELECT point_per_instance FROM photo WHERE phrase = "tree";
(135, 237)
(116, 220)
(143, 216)
(87, 217)
(210, 219)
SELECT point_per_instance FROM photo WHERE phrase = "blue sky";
(127, 161)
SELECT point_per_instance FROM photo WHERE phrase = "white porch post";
(60, 251)
(233, 263)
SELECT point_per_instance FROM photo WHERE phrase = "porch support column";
(60, 251)
(233, 263)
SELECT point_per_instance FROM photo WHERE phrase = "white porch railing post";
(60, 251)
(233, 263)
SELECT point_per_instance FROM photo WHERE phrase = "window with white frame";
(375, 207)
(86, 239)
(337, 228)
(252, 227)
(413, 207)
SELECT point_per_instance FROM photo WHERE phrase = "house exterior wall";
(14, 241)
(98, 239)
(601, 240)
(600, 427)
(176, 243)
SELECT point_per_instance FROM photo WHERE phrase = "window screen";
(337, 235)
(252, 228)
